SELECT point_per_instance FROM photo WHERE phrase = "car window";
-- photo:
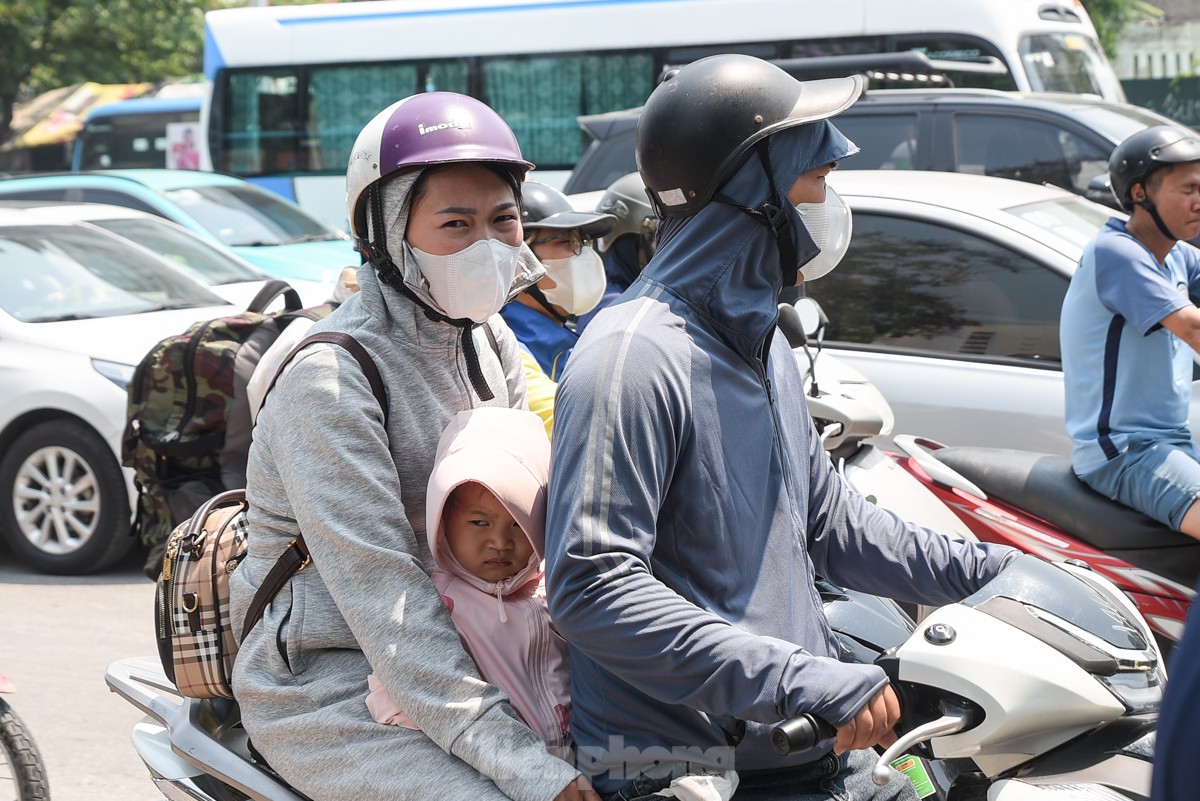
(207, 263)
(73, 272)
(886, 141)
(913, 285)
(114, 198)
(1071, 219)
(1026, 150)
(247, 215)
(37, 194)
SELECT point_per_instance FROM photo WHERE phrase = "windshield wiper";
(62, 318)
(313, 238)
(194, 304)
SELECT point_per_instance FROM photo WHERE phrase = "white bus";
(293, 85)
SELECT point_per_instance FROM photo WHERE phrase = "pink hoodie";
(504, 625)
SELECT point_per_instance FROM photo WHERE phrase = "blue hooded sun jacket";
(691, 506)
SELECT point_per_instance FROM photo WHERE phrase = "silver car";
(948, 301)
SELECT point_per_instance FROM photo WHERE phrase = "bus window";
(541, 98)
(343, 99)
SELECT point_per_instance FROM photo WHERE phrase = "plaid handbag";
(191, 604)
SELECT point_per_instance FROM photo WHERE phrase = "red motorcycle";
(22, 774)
(1034, 502)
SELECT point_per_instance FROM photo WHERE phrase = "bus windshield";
(1058, 62)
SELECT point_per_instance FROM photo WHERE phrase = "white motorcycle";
(1043, 685)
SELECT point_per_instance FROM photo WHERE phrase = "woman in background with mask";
(543, 316)
(433, 191)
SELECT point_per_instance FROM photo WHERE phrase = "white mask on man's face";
(472, 283)
(830, 225)
(578, 281)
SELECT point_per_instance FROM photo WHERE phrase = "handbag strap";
(296, 556)
(293, 559)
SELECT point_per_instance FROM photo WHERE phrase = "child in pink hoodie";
(486, 514)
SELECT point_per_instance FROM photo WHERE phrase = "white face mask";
(578, 281)
(830, 225)
(472, 283)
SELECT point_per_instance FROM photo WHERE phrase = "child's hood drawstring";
(500, 600)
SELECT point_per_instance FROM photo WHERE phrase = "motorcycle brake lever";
(953, 721)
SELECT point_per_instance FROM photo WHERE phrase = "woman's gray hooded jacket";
(323, 463)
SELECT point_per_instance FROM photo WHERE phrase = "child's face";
(482, 535)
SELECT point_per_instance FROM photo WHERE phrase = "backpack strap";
(360, 355)
(271, 290)
(296, 556)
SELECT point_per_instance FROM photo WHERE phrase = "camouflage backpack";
(188, 418)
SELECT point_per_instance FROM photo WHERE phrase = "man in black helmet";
(691, 504)
(1129, 330)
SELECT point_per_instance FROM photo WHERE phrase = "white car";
(79, 308)
(217, 267)
(948, 301)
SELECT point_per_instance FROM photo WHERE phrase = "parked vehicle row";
(217, 267)
(95, 269)
(1039, 137)
(275, 235)
(79, 307)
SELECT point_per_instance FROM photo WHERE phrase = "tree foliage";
(1111, 16)
(51, 43)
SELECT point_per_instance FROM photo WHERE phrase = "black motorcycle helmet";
(545, 207)
(1144, 152)
(702, 121)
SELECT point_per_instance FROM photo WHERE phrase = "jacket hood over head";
(507, 451)
(736, 278)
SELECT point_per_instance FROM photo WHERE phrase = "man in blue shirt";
(1129, 329)
(543, 317)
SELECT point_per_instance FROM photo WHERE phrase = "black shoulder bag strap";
(296, 557)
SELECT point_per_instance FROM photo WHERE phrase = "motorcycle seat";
(1044, 485)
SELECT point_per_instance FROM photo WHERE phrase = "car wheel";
(64, 504)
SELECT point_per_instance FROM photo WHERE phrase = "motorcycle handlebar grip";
(801, 733)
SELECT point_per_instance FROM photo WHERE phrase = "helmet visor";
(1186, 148)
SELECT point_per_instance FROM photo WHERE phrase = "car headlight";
(119, 374)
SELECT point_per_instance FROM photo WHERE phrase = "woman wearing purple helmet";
(433, 200)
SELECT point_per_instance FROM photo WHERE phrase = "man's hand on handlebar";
(578, 790)
(872, 725)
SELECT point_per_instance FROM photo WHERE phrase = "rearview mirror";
(812, 317)
(1099, 190)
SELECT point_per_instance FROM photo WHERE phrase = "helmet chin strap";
(537, 294)
(771, 213)
(1149, 206)
(377, 253)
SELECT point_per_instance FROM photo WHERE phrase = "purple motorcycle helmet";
(423, 130)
